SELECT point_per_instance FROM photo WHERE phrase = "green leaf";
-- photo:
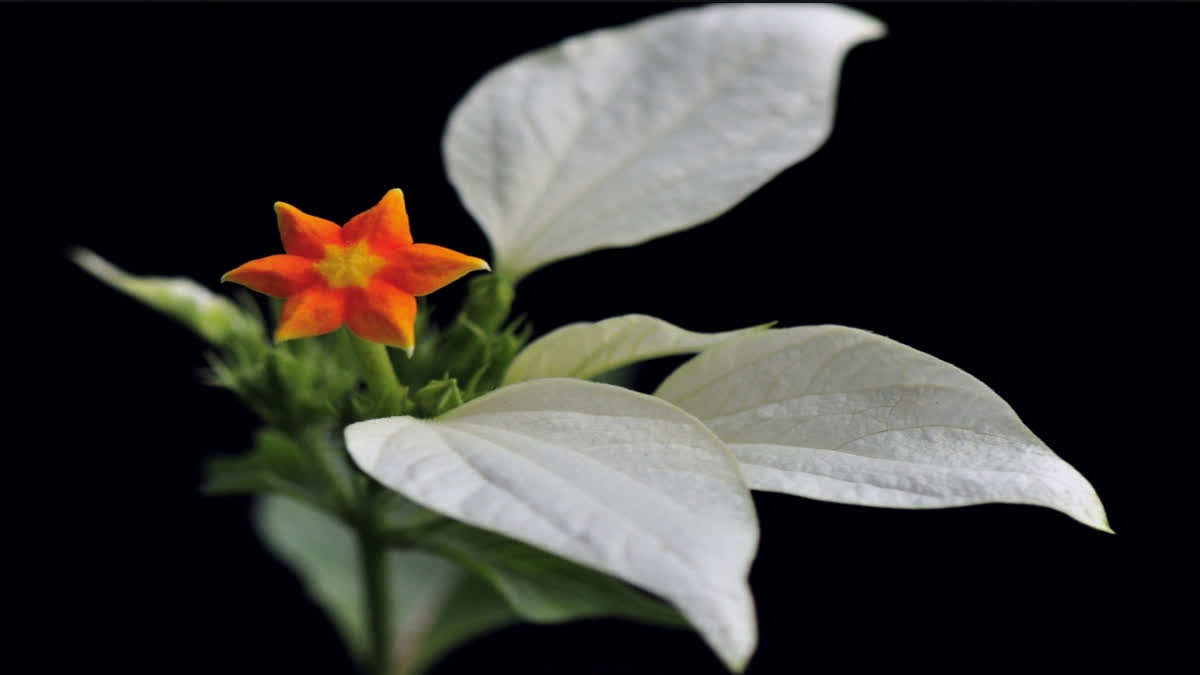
(471, 608)
(213, 317)
(324, 554)
(586, 349)
(543, 587)
(277, 464)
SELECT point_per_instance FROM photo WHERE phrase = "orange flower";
(364, 274)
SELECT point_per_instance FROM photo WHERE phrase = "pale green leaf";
(585, 350)
(844, 415)
(543, 587)
(324, 554)
(618, 136)
(608, 478)
(214, 317)
(473, 607)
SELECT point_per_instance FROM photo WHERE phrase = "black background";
(1011, 188)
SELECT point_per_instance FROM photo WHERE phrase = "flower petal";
(382, 313)
(421, 269)
(316, 310)
(279, 276)
(384, 225)
(305, 235)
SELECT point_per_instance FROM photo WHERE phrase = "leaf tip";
(869, 28)
(1093, 514)
(738, 665)
(93, 264)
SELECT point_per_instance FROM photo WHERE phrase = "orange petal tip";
(384, 226)
(383, 313)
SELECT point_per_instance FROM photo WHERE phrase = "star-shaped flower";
(365, 274)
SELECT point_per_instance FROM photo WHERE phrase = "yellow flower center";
(349, 265)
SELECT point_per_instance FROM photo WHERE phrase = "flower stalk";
(377, 587)
(376, 369)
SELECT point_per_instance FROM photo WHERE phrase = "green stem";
(377, 584)
(338, 479)
(375, 366)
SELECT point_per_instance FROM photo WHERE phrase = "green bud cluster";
(308, 390)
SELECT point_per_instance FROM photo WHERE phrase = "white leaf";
(609, 478)
(618, 136)
(585, 350)
(848, 416)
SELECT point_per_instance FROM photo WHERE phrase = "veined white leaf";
(585, 350)
(618, 136)
(844, 415)
(619, 481)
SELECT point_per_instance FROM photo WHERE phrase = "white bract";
(844, 415)
(618, 136)
(613, 479)
(585, 350)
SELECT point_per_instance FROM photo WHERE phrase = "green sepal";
(438, 397)
(489, 300)
(312, 470)
(369, 405)
(293, 386)
(479, 358)
(276, 465)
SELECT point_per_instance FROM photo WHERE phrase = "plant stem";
(375, 366)
(377, 584)
(339, 481)
(376, 369)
